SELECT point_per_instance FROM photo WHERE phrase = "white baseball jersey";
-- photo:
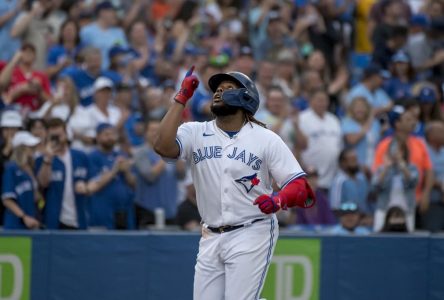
(230, 173)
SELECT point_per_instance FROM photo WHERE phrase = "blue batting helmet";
(246, 97)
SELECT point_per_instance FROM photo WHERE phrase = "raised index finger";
(190, 71)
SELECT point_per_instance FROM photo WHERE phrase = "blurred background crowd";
(353, 87)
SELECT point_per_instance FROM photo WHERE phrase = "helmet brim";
(217, 79)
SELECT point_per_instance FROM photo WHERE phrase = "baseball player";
(233, 159)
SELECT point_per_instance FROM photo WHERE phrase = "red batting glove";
(271, 203)
(189, 85)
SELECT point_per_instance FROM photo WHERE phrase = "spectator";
(265, 79)
(9, 10)
(10, 124)
(258, 22)
(349, 219)
(395, 220)
(63, 104)
(156, 180)
(121, 61)
(321, 213)
(310, 82)
(202, 99)
(277, 116)
(395, 184)
(112, 184)
(103, 110)
(59, 173)
(403, 123)
(277, 38)
(370, 88)
(419, 46)
(188, 217)
(131, 134)
(19, 188)
(361, 130)
(26, 86)
(85, 75)
(323, 132)
(244, 62)
(65, 52)
(104, 33)
(396, 38)
(433, 219)
(33, 26)
(429, 107)
(286, 73)
(84, 120)
(350, 184)
(141, 44)
(400, 85)
(37, 127)
(386, 15)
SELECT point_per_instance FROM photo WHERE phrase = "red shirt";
(18, 77)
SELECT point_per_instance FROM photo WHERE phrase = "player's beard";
(224, 110)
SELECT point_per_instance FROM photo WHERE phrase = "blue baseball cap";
(116, 50)
(419, 20)
(104, 5)
(374, 69)
(401, 56)
(395, 114)
(102, 126)
(427, 95)
(195, 51)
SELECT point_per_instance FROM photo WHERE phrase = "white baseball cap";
(12, 119)
(102, 83)
(24, 138)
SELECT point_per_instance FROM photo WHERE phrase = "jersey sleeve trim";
(179, 143)
(9, 195)
(297, 175)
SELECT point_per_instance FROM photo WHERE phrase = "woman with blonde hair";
(19, 190)
(64, 102)
(361, 130)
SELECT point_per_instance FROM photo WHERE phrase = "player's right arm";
(165, 143)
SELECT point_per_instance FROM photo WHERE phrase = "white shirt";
(96, 116)
(60, 111)
(68, 214)
(286, 132)
(324, 144)
(230, 173)
(84, 121)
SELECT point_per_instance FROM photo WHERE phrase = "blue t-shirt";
(58, 52)
(365, 148)
(94, 36)
(345, 189)
(116, 196)
(84, 82)
(201, 98)
(397, 89)
(53, 194)
(437, 159)
(18, 186)
(162, 191)
(130, 129)
(377, 98)
(9, 44)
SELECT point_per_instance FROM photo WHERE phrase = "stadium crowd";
(353, 87)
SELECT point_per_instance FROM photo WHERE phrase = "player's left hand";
(270, 203)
